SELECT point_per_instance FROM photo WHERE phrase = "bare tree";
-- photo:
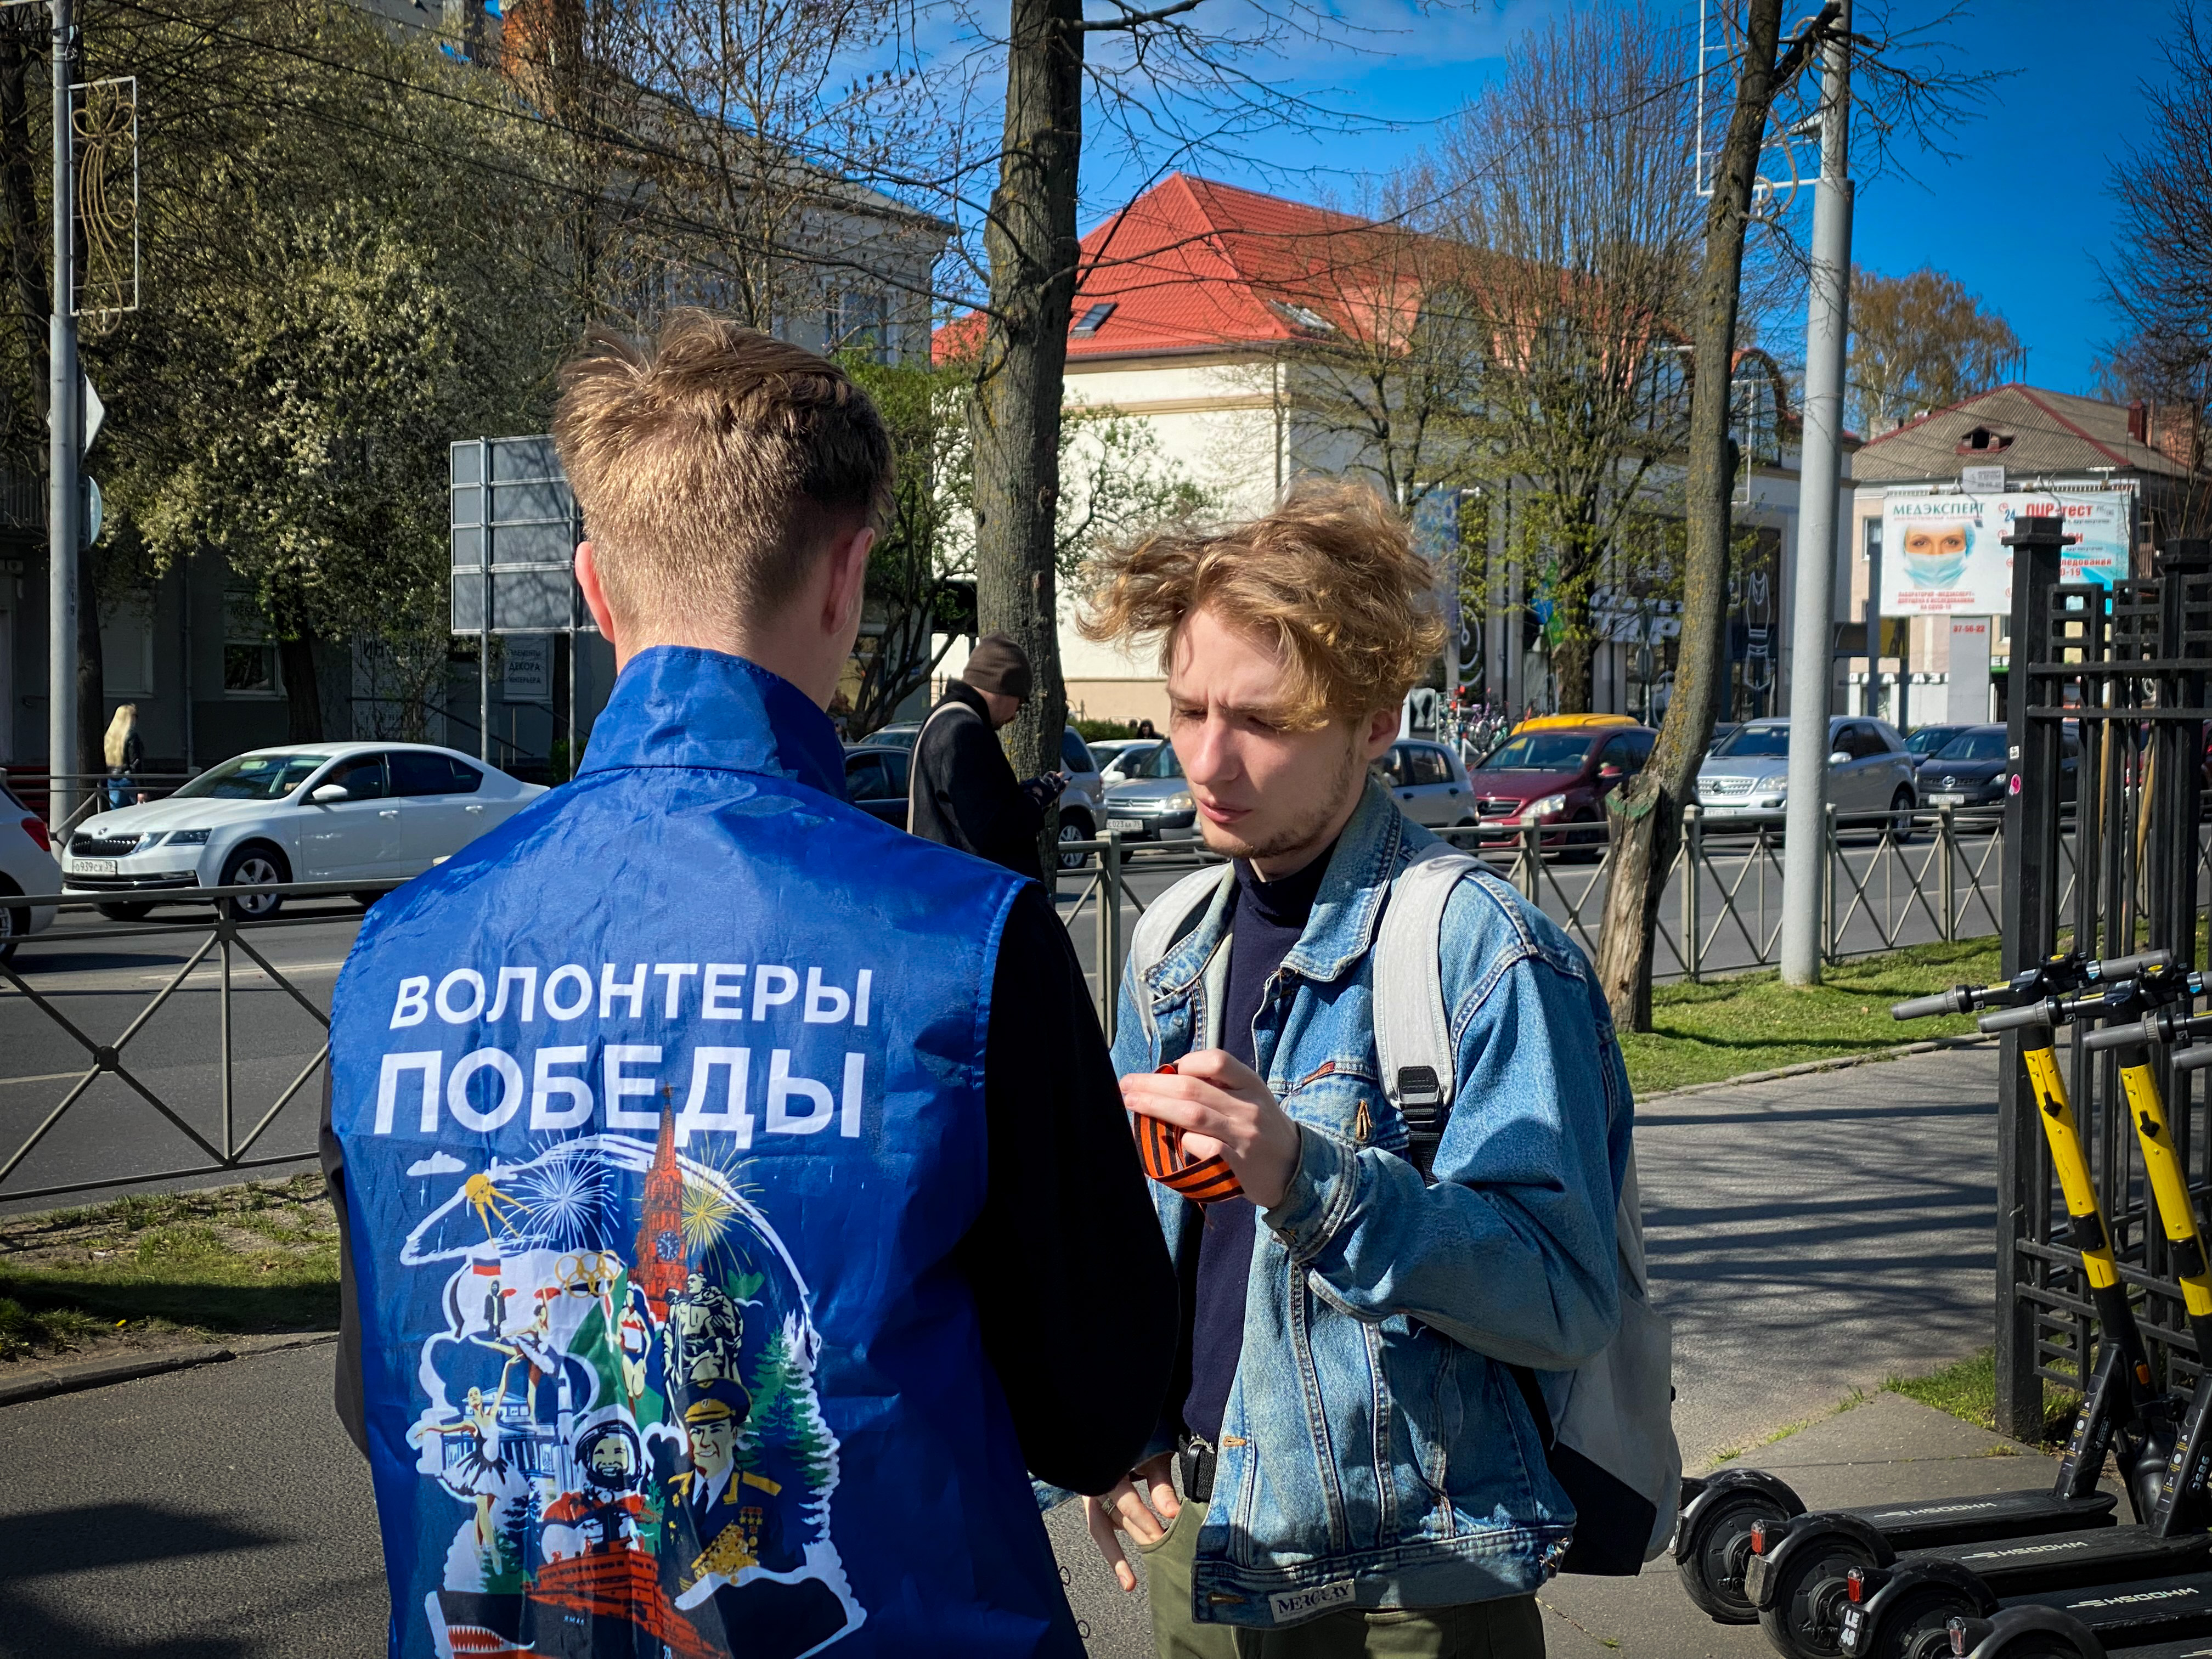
(1568, 175)
(1384, 370)
(2161, 286)
(1169, 84)
(1648, 812)
(1920, 342)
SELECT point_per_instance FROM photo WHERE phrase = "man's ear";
(848, 580)
(1381, 732)
(595, 600)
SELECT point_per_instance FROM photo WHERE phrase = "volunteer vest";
(662, 1113)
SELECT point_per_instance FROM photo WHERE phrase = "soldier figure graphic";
(703, 1334)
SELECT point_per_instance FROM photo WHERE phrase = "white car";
(304, 811)
(27, 869)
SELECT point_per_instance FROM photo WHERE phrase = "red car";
(1560, 776)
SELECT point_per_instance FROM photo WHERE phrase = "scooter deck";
(1994, 1515)
(2178, 1606)
(2103, 1555)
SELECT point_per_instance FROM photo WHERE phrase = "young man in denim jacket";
(1359, 1472)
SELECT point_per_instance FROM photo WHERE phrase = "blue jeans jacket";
(1377, 1452)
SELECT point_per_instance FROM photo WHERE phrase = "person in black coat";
(963, 793)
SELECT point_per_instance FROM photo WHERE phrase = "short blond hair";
(1329, 579)
(714, 465)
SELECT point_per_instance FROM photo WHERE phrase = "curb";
(1926, 1046)
(44, 1381)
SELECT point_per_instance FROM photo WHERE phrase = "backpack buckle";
(1418, 1086)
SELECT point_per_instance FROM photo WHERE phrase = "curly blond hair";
(1329, 579)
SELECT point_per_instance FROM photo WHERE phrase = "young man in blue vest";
(781, 1147)
(1359, 1472)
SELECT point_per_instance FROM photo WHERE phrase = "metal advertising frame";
(514, 526)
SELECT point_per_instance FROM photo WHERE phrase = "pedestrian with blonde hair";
(124, 753)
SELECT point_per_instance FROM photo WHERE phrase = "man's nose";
(1209, 760)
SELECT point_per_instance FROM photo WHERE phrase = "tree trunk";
(1015, 419)
(1647, 814)
(303, 693)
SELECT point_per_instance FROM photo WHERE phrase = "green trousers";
(1509, 1629)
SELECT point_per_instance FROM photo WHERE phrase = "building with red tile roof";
(1196, 310)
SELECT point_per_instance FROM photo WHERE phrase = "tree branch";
(1133, 20)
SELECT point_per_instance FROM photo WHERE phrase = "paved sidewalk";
(1810, 1236)
(1890, 1448)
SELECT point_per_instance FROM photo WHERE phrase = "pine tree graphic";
(785, 1439)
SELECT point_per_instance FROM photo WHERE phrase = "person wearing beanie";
(963, 792)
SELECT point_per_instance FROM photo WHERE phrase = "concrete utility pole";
(1812, 630)
(64, 422)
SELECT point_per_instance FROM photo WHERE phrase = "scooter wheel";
(1803, 1616)
(1712, 1567)
(2032, 1633)
(1916, 1624)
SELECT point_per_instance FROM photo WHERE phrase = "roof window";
(1303, 317)
(1983, 441)
(1091, 321)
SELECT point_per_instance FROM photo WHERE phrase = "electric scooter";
(1733, 1518)
(2161, 1589)
(2033, 1631)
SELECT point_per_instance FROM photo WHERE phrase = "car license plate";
(1126, 823)
(93, 867)
(1946, 800)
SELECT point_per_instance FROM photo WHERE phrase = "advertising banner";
(1945, 554)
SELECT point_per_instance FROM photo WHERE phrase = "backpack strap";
(914, 760)
(1165, 920)
(1412, 1027)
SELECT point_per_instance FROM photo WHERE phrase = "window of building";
(249, 654)
(858, 320)
(126, 646)
(1095, 318)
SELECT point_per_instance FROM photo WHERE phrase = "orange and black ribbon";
(1201, 1180)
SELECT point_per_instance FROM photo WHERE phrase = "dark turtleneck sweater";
(1265, 920)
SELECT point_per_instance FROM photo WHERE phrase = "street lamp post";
(1811, 642)
(64, 422)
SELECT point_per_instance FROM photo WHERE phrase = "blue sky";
(2020, 216)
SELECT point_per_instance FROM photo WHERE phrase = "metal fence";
(227, 1144)
(1889, 880)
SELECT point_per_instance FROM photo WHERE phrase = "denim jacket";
(1377, 1452)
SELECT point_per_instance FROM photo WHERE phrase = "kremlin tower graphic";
(660, 1261)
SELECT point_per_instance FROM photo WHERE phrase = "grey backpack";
(1613, 1445)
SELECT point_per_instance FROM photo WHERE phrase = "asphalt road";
(1807, 1237)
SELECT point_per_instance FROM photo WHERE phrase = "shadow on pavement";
(56, 1543)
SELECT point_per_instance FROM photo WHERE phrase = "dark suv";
(1560, 776)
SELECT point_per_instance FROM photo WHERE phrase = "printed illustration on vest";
(621, 1414)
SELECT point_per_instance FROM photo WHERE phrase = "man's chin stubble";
(1300, 835)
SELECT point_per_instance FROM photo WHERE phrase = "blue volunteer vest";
(662, 1113)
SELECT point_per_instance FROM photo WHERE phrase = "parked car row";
(314, 811)
(878, 773)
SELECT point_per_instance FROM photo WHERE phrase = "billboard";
(1945, 554)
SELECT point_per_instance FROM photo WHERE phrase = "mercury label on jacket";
(1286, 1605)
(617, 1396)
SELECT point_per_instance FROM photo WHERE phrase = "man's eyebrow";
(1266, 712)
